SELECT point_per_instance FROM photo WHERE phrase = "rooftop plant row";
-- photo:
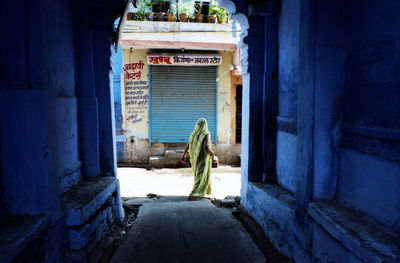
(188, 10)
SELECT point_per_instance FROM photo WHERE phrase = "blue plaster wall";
(120, 137)
(372, 80)
(369, 174)
(338, 81)
(370, 184)
(287, 93)
(117, 90)
(25, 151)
(329, 71)
(103, 81)
(289, 19)
(59, 75)
(46, 87)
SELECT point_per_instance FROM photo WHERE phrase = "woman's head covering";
(197, 137)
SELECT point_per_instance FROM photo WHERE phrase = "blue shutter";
(179, 96)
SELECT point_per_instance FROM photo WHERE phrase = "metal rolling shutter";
(179, 96)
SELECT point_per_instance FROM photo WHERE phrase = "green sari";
(200, 160)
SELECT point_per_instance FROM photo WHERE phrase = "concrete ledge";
(90, 233)
(273, 208)
(364, 237)
(163, 162)
(83, 200)
(17, 232)
(174, 153)
(276, 200)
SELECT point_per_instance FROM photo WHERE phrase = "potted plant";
(185, 8)
(159, 8)
(212, 14)
(141, 14)
(192, 18)
(160, 16)
(198, 15)
(171, 14)
(222, 15)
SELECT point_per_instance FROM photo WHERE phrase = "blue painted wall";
(117, 70)
(371, 101)
(287, 93)
(55, 111)
(337, 130)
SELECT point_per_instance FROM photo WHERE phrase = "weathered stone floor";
(172, 229)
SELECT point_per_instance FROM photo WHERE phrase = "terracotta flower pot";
(199, 18)
(130, 16)
(221, 20)
(152, 16)
(171, 17)
(183, 17)
(160, 16)
(211, 19)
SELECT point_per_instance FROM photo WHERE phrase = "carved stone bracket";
(288, 125)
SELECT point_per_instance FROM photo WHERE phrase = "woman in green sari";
(201, 157)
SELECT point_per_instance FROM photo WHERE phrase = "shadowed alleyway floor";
(172, 229)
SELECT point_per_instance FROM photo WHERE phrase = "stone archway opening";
(140, 147)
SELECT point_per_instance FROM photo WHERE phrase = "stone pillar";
(87, 101)
(255, 41)
(270, 97)
(263, 69)
(305, 110)
(104, 83)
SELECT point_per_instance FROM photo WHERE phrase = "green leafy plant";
(186, 7)
(172, 7)
(198, 7)
(143, 8)
(222, 13)
(213, 10)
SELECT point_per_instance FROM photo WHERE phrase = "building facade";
(174, 74)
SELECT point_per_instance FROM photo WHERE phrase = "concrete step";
(174, 153)
(163, 162)
(90, 206)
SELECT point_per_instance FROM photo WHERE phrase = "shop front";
(166, 93)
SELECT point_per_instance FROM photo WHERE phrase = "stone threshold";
(276, 197)
(17, 233)
(273, 208)
(368, 239)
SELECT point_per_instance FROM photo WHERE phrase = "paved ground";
(138, 182)
(172, 229)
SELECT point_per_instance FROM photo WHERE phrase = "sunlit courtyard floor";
(138, 182)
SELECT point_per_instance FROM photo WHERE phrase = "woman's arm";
(208, 149)
(183, 159)
(207, 146)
